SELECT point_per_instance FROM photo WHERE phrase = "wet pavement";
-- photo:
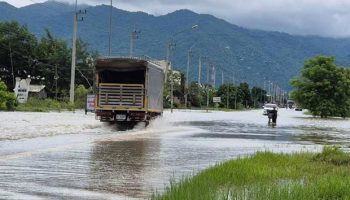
(73, 156)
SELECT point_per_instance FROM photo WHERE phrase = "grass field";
(267, 175)
(35, 105)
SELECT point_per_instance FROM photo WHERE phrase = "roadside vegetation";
(7, 99)
(233, 97)
(46, 60)
(323, 88)
(267, 175)
(39, 105)
(45, 105)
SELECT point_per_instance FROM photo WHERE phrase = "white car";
(269, 106)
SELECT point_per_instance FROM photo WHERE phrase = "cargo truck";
(128, 90)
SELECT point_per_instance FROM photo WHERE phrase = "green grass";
(35, 105)
(267, 175)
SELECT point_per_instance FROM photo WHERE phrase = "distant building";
(23, 90)
(37, 91)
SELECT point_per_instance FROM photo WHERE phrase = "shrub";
(333, 155)
(7, 99)
(80, 96)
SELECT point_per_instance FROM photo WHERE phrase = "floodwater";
(72, 156)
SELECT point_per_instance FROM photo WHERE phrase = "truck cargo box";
(128, 89)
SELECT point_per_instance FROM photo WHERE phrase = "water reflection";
(121, 166)
(303, 134)
(235, 130)
(323, 135)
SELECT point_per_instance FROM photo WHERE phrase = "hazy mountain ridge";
(251, 55)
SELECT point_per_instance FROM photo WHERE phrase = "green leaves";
(323, 88)
(241, 95)
(7, 99)
(25, 55)
(17, 46)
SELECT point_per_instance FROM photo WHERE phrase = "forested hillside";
(242, 54)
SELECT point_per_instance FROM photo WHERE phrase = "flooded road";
(73, 156)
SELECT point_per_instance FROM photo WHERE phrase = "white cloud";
(305, 17)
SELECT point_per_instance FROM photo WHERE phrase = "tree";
(21, 55)
(244, 96)
(17, 46)
(85, 65)
(227, 92)
(7, 99)
(53, 54)
(179, 85)
(210, 92)
(80, 96)
(195, 94)
(323, 88)
(166, 92)
(258, 96)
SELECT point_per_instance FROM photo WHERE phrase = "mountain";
(241, 54)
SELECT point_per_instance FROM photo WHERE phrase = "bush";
(7, 99)
(80, 96)
(333, 155)
(38, 105)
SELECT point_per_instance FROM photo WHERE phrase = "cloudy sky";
(303, 17)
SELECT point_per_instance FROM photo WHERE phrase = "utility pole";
(222, 77)
(214, 73)
(269, 91)
(167, 60)
(227, 88)
(74, 47)
(234, 84)
(187, 69)
(133, 36)
(110, 29)
(72, 77)
(56, 80)
(228, 96)
(265, 92)
(199, 69)
(171, 90)
(170, 46)
(12, 70)
(208, 65)
(273, 93)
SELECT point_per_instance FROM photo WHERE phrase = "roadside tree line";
(46, 60)
(232, 96)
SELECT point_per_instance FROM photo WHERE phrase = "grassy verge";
(35, 105)
(267, 175)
